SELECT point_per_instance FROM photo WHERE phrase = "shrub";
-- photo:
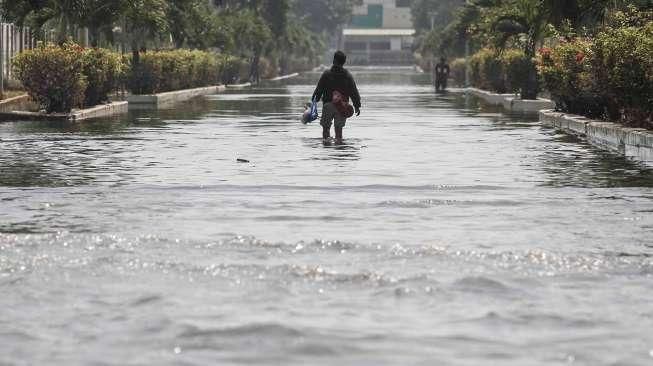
(622, 68)
(567, 73)
(53, 76)
(102, 69)
(515, 66)
(232, 68)
(163, 71)
(268, 68)
(609, 77)
(487, 71)
(457, 67)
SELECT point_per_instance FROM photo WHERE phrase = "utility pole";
(467, 3)
(2, 59)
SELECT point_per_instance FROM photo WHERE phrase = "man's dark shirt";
(441, 71)
(337, 78)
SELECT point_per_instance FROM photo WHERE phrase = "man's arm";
(319, 90)
(355, 96)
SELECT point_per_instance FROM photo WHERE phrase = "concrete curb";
(20, 102)
(284, 77)
(167, 98)
(239, 86)
(632, 142)
(511, 102)
(104, 110)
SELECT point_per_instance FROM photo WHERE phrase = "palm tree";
(527, 21)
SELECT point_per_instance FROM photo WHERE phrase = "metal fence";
(13, 40)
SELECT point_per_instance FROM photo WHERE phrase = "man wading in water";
(441, 75)
(335, 88)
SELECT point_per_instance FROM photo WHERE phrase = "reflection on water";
(440, 231)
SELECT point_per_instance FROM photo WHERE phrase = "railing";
(385, 57)
(13, 40)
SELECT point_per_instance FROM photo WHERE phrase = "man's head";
(339, 58)
(443, 60)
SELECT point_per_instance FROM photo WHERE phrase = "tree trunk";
(254, 76)
(530, 86)
(94, 36)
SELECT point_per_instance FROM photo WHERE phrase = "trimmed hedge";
(608, 77)
(499, 72)
(458, 67)
(53, 75)
(103, 70)
(60, 78)
(163, 71)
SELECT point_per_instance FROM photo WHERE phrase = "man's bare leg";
(326, 132)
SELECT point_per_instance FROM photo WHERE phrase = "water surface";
(440, 232)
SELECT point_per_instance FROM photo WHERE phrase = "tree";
(143, 20)
(325, 15)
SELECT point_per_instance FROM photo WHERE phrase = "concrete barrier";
(104, 110)
(636, 143)
(511, 102)
(284, 77)
(168, 98)
(527, 106)
(18, 103)
(239, 86)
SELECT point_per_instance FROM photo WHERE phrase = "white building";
(381, 32)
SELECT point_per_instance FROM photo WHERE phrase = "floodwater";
(440, 232)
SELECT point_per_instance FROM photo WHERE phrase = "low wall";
(633, 142)
(239, 86)
(511, 102)
(284, 77)
(104, 110)
(167, 98)
(19, 103)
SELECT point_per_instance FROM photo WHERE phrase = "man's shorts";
(330, 113)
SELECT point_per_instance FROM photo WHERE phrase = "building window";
(403, 3)
(355, 46)
(380, 46)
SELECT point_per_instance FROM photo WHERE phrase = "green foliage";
(623, 69)
(458, 67)
(516, 67)
(163, 71)
(487, 71)
(53, 76)
(609, 77)
(324, 16)
(232, 68)
(498, 71)
(102, 69)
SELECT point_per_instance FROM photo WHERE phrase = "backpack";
(341, 101)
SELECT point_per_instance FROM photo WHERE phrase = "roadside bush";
(487, 71)
(53, 75)
(567, 73)
(609, 77)
(102, 69)
(232, 69)
(515, 66)
(457, 67)
(163, 71)
(268, 68)
(622, 69)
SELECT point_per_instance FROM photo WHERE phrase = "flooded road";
(439, 232)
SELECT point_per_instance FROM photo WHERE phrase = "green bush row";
(62, 77)
(163, 71)
(497, 71)
(609, 76)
